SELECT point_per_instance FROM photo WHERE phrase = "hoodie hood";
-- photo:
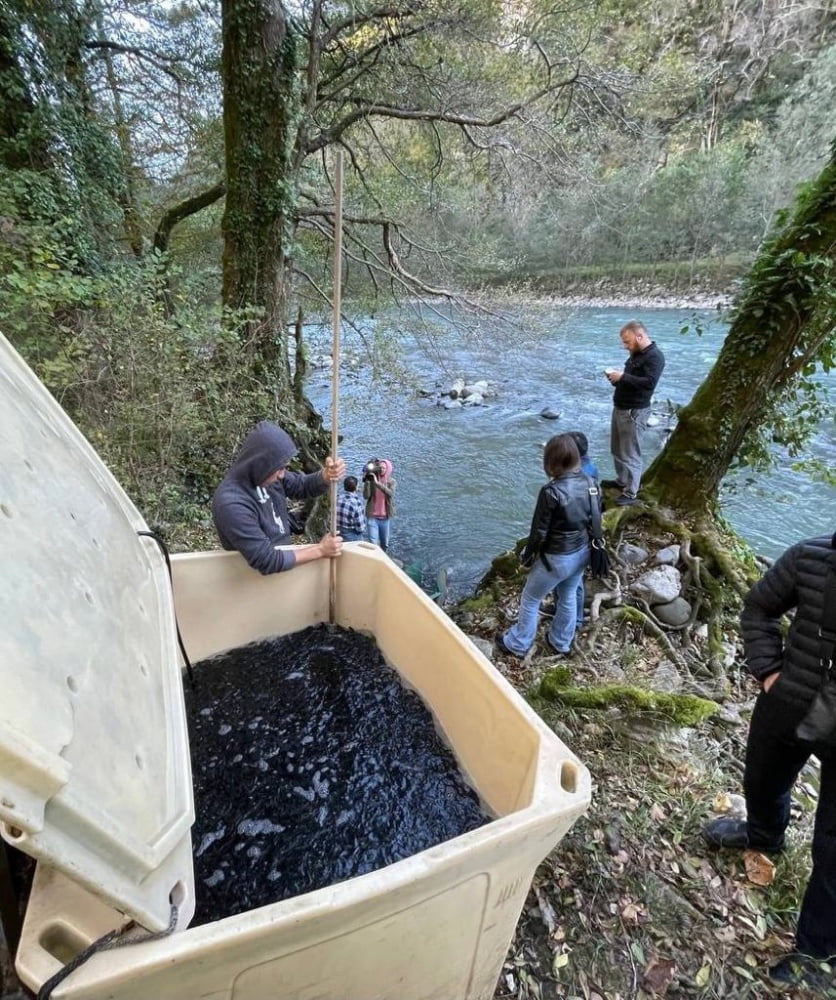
(265, 449)
(387, 468)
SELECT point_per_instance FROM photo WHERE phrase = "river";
(468, 478)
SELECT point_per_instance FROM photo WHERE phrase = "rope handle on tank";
(113, 939)
(162, 545)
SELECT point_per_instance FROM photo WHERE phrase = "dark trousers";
(774, 759)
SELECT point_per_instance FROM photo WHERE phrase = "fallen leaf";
(760, 870)
(657, 813)
(658, 975)
(721, 803)
(703, 975)
(560, 961)
(630, 913)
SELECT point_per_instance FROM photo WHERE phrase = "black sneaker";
(499, 642)
(555, 651)
(726, 832)
(612, 484)
(733, 834)
(626, 500)
(805, 971)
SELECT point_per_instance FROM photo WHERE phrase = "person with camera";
(249, 507)
(557, 551)
(792, 719)
(379, 493)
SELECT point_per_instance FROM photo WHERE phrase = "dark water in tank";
(312, 763)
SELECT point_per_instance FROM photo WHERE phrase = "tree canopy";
(166, 198)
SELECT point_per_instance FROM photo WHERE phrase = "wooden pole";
(335, 364)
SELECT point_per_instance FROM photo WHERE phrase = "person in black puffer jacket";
(790, 670)
(557, 549)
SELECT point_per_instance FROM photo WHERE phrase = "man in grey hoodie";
(250, 505)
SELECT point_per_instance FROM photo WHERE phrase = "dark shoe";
(805, 971)
(554, 650)
(726, 832)
(499, 642)
(611, 484)
(733, 834)
(626, 500)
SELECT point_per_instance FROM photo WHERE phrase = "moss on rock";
(483, 601)
(680, 709)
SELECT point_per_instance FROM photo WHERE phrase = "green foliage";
(144, 387)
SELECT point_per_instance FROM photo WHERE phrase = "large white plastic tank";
(94, 768)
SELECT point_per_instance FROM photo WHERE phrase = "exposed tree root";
(636, 616)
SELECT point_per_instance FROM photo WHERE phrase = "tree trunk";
(261, 116)
(262, 112)
(126, 193)
(779, 326)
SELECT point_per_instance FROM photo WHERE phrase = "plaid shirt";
(351, 515)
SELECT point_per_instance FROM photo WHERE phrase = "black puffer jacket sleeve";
(772, 596)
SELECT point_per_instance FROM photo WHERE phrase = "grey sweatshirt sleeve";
(771, 597)
(303, 486)
(238, 523)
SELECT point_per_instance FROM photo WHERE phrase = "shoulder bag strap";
(593, 494)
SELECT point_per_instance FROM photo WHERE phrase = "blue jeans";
(379, 531)
(352, 536)
(581, 596)
(563, 578)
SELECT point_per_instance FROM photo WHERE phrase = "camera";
(372, 468)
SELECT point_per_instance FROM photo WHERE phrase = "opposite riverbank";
(702, 285)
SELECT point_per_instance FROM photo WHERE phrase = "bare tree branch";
(159, 61)
(367, 108)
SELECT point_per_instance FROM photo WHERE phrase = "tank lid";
(94, 756)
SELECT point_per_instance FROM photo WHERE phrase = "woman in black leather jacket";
(557, 550)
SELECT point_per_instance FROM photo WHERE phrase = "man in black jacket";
(631, 407)
(790, 671)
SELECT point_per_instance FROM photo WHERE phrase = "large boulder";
(633, 555)
(658, 586)
(674, 613)
(669, 556)
(479, 388)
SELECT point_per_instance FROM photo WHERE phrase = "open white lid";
(95, 776)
